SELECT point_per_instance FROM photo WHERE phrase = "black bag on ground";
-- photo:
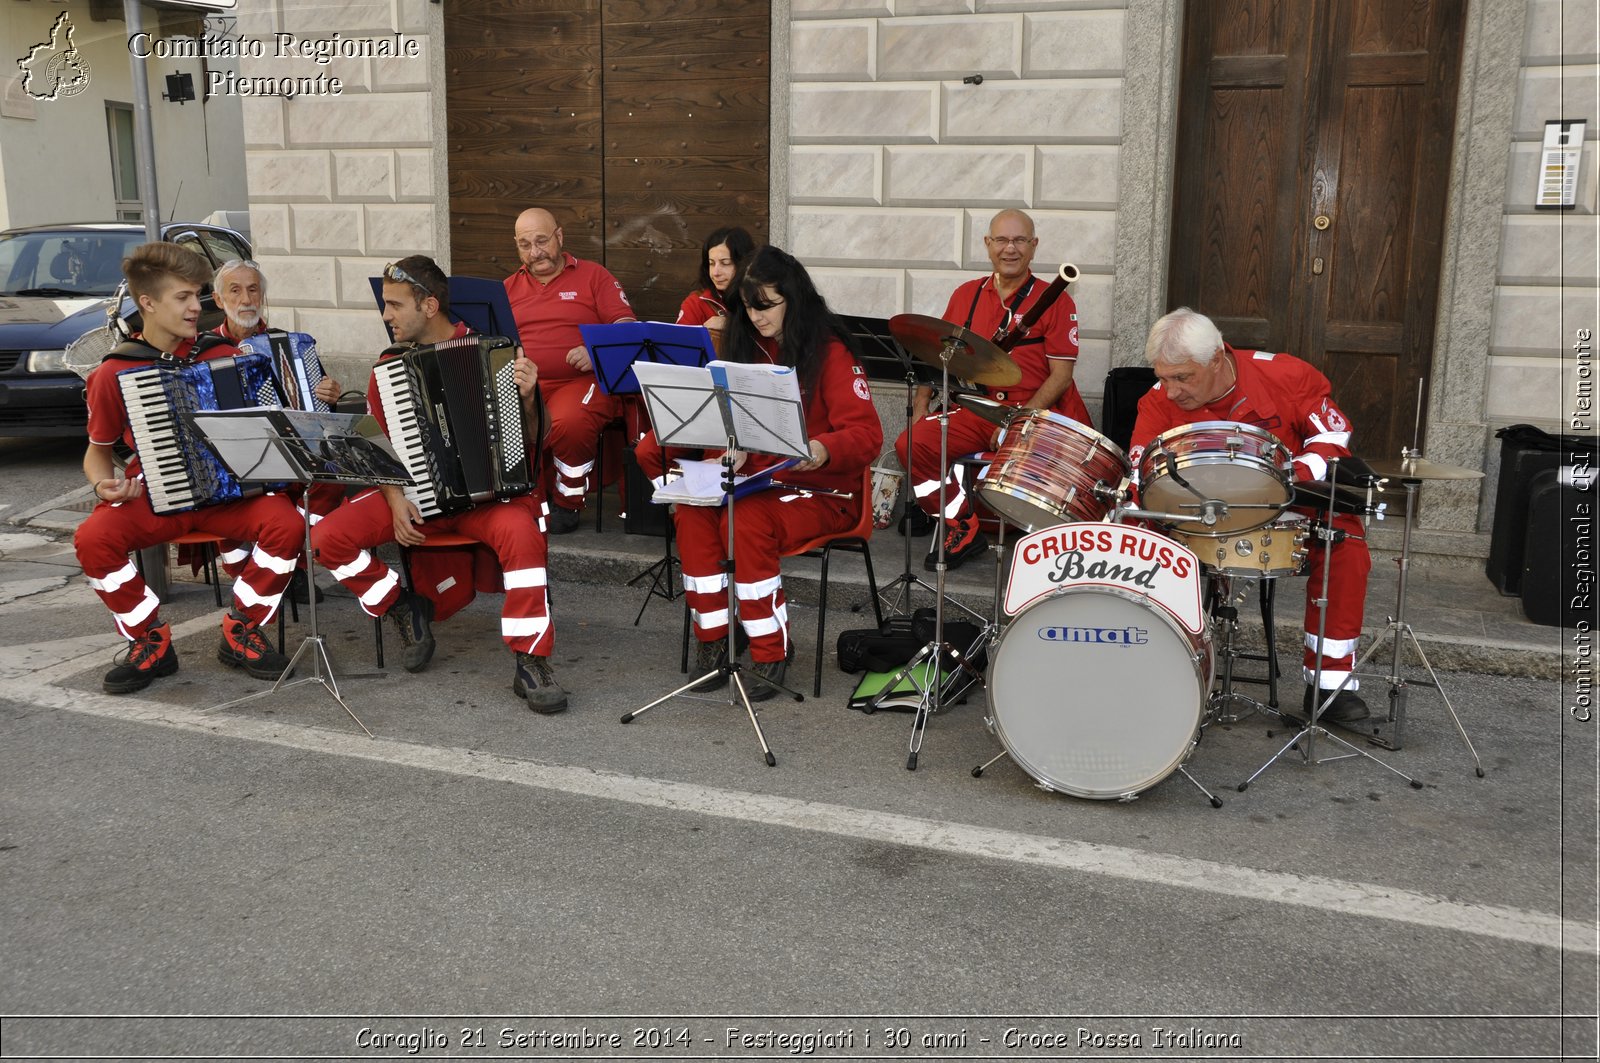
(878, 649)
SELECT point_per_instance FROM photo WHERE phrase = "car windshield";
(66, 263)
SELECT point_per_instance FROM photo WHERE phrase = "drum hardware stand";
(1227, 616)
(1312, 729)
(1397, 627)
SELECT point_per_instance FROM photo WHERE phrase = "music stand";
(887, 361)
(614, 349)
(738, 407)
(296, 446)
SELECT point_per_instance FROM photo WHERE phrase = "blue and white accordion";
(295, 362)
(181, 472)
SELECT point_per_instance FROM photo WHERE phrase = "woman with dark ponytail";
(776, 316)
(720, 257)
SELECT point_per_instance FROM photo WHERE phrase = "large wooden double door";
(641, 124)
(1312, 165)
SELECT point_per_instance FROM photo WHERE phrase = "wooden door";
(1313, 159)
(642, 124)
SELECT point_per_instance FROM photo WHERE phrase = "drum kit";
(1101, 662)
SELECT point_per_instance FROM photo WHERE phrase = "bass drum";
(1096, 693)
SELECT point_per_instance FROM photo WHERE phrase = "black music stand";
(887, 361)
(297, 446)
(614, 350)
(737, 407)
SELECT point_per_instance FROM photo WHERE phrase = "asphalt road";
(265, 880)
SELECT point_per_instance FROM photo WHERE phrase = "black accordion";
(181, 472)
(455, 421)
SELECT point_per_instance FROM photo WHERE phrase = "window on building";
(124, 163)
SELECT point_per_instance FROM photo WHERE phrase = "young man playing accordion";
(165, 280)
(416, 304)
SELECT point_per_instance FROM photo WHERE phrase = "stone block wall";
(895, 166)
(1546, 286)
(341, 184)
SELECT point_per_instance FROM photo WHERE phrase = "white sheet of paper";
(765, 401)
(678, 399)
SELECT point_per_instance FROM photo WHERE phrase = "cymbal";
(970, 356)
(996, 413)
(1420, 468)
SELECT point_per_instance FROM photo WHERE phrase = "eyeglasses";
(1018, 242)
(393, 272)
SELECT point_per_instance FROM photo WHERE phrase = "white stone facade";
(895, 166)
(341, 184)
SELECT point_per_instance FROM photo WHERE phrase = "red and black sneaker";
(244, 646)
(146, 658)
(962, 540)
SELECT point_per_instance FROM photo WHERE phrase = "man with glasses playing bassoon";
(416, 304)
(987, 306)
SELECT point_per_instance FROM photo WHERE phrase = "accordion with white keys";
(295, 362)
(181, 472)
(455, 421)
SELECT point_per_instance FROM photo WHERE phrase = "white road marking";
(77, 494)
(1357, 899)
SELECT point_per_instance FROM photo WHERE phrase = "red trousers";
(321, 499)
(114, 530)
(968, 434)
(1347, 602)
(576, 410)
(343, 541)
(766, 526)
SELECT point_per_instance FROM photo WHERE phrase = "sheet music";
(701, 483)
(764, 401)
(301, 446)
(681, 405)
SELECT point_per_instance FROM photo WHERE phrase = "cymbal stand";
(896, 594)
(729, 668)
(932, 696)
(1311, 730)
(1397, 626)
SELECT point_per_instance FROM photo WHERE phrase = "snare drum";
(1279, 549)
(1047, 469)
(1097, 693)
(1239, 464)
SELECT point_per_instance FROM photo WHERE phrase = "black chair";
(1125, 386)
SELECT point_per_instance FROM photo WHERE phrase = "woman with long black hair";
(776, 316)
(720, 257)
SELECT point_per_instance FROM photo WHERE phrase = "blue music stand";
(614, 348)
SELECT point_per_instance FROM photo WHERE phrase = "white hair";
(1183, 336)
(233, 265)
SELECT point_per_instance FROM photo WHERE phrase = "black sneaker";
(298, 584)
(1347, 707)
(707, 658)
(962, 540)
(244, 646)
(413, 615)
(145, 659)
(535, 681)
(562, 521)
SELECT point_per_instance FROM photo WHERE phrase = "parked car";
(56, 284)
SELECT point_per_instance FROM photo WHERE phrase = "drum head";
(1254, 493)
(1096, 694)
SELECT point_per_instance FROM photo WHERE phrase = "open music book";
(758, 406)
(700, 483)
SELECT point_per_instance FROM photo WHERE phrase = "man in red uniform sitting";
(1045, 357)
(165, 280)
(241, 292)
(551, 295)
(416, 304)
(1201, 378)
